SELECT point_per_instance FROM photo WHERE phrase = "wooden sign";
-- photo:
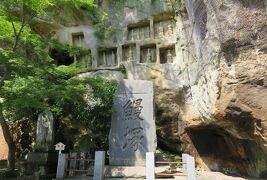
(60, 146)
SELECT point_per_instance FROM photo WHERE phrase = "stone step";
(127, 172)
(91, 178)
(130, 171)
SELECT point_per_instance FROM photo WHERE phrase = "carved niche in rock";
(148, 54)
(139, 31)
(107, 57)
(85, 60)
(163, 28)
(78, 39)
(129, 52)
(167, 54)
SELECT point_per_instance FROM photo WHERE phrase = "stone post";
(189, 166)
(61, 165)
(99, 165)
(150, 166)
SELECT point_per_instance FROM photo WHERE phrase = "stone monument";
(133, 130)
(44, 159)
(45, 131)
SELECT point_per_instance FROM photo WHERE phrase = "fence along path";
(184, 168)
(80, 164)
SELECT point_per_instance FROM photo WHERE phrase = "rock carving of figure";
(132, 34)
(143, 33)
(113, 61)
(130, 54)
(161, 33)
(104, 59)
(148, 56)
(147, 32)
(138, 33)
(44, 136)
(169, 56)
(46, 130)
(170, 29)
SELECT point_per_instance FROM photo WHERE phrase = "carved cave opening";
(221, 151)
(61, 57)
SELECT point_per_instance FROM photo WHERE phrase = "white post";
(150, 166)
(99, 165)
(189, 167)
(61, 164)
(184, 159)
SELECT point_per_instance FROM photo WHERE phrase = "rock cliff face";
(209, 70)
(224, 118)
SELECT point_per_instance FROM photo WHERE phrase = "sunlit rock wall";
(224, 117)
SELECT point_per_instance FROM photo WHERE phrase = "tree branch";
(13, 25)
(23, 24)
(3, 77)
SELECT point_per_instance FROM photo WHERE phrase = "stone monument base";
(45, 163)
(127, 162)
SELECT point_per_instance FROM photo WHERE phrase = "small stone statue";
(138, 33)
(147, 33)
(113, 58)
(161, 32)
(132, 34)
(169, 56)
(148, 56)
(104, 59)
(130, 54)
(169, 29)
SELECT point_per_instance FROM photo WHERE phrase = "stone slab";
(133, 130)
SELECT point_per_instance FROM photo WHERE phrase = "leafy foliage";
(30, 82)
(76, 3)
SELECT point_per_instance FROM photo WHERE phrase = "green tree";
(28, 79)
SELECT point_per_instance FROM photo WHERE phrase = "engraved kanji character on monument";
(132, 110)
(133, 138)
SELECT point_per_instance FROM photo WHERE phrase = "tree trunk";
(10, 142)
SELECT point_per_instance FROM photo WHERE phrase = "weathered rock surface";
(224, 117)
(106, 74)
